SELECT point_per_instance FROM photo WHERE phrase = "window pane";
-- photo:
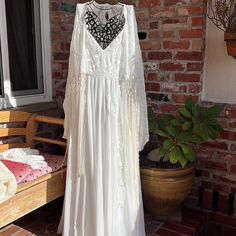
(24, 46)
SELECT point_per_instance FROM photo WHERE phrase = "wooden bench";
(34, 194)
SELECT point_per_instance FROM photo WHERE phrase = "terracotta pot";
(165, 190)
(230, 40)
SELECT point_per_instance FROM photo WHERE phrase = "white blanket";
(25, 155)
(8, 183)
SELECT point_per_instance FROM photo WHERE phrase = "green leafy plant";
(192, 125)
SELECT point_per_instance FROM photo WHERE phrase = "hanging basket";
(230, 40)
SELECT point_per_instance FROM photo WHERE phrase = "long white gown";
(105, 123)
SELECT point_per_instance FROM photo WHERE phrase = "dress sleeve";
(72, 73)
(137, 72)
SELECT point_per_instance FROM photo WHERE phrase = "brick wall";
(172, 37)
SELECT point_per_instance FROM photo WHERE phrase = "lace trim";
(104, 34)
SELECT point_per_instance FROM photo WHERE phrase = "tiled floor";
(44, 221)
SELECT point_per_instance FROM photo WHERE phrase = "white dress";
(105, 123)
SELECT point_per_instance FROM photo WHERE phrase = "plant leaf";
(168, 144)
(174, 122)
(160, 133)
(184, 136)
(189, 103)
(196, 111)
(184, 112)
(172, 131)
(187, 125)
(211, 112)
(188, 152)
(183, 161)
(163, 152)
(174, 156)
(195, 139)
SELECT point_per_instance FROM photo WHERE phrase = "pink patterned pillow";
(55, 162)
(20, 170)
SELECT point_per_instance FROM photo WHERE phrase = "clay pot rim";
(230, 36)
(190, 165)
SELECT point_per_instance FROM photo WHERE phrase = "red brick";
(182, 98)
(224, 178)
(230, 231)
(223, 188)
(168, 34)
(214, 229)
(150, 45)
(171, 2)
(187, 77)
(194, 215)
(216, 145)
(141, 13)
(154, 25)
(152, 87)
(154, 34)
(207, 199)
(231, 158)
(194, 66)
(229, 135)
(177, 228)
(233, 147)
(223, 204)
(149, 3)
(176, 45)
(171, 66)
(214, 165)
(230, 112)
(206, 173)
(60, 56)
(233, 190)
(152, 77)
(195, 10)
(190, 56)
(64, 65)
(192, 224)
(174, 21)
(194, 88)
(198, 21)
(166, 232)
(166, 107)
(232, 124)
(233, 169)
(193, 33)
(220, 218)
(57, 75)
(173, 88)
(159, 55)
(153, 96)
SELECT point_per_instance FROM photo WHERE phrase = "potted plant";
(167, 181)
(223, 14)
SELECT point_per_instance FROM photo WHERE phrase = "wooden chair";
(33, 194)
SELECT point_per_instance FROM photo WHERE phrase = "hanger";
(108, 1)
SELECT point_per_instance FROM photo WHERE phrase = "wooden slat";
(14, 116)
(48, 140)
(32, 198)
(31, 130)
(4, 147)
(5, 132)
(49, 120)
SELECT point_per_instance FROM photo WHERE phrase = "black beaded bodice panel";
(104, 34)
